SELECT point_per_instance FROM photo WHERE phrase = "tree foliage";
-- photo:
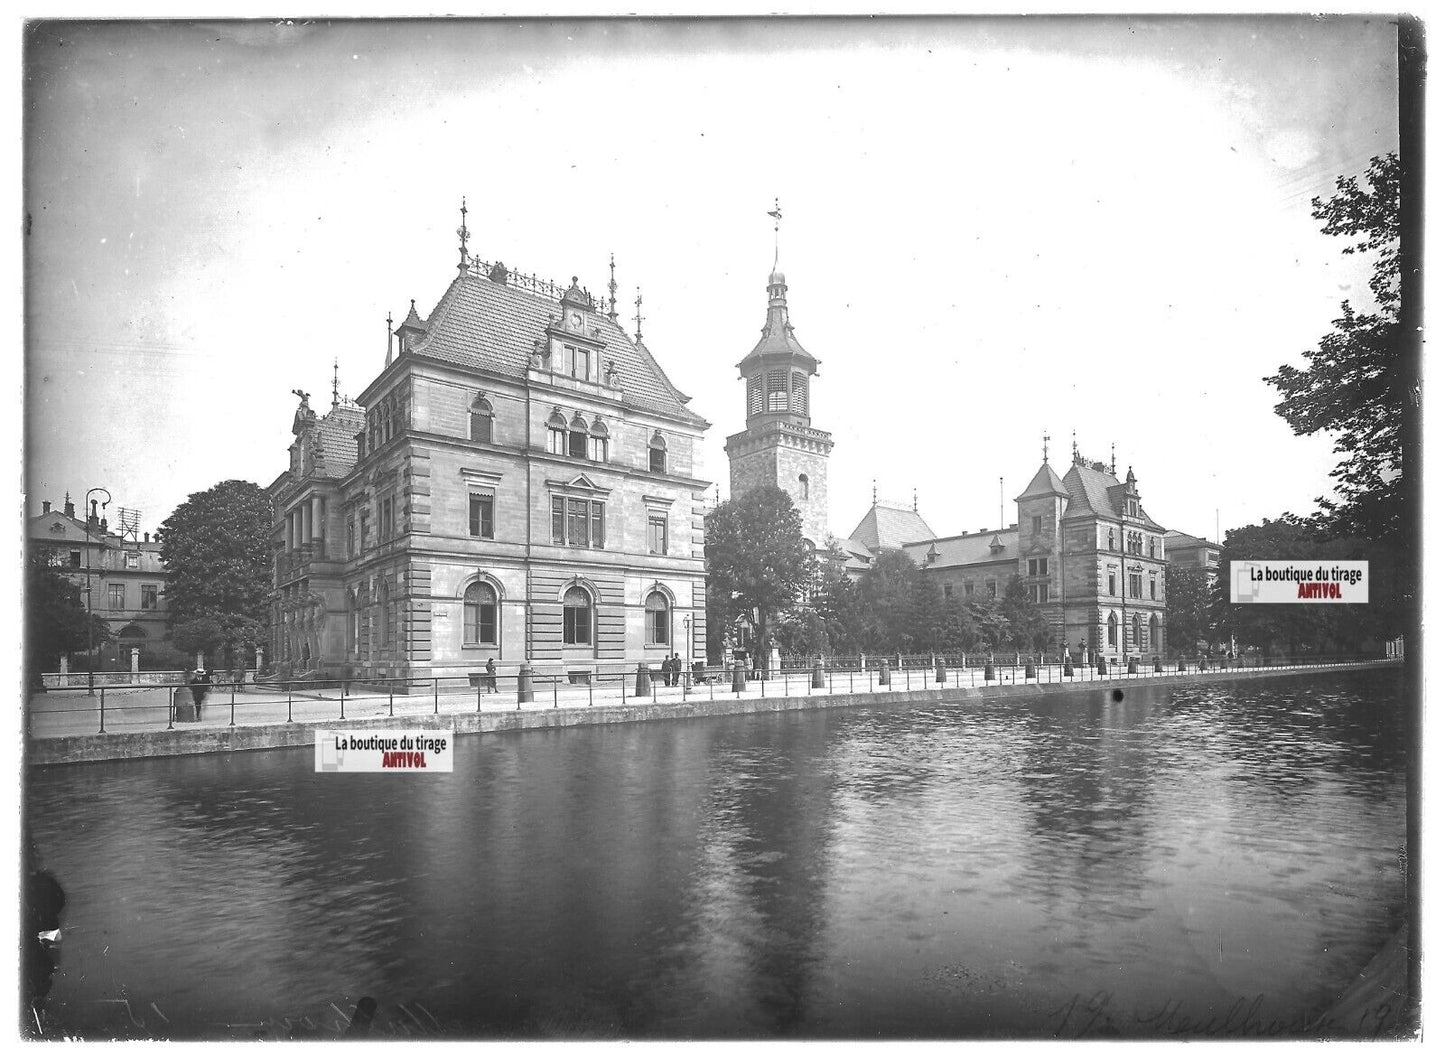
(1187, 608)
(217, 550)
(56, 622)
(757, 559)
(1360, 381)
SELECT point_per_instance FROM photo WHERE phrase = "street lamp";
(89, 603)
(687, 634)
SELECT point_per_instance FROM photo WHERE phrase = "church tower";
(780, 446)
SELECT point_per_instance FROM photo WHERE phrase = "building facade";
(520, 483)
(122, 572)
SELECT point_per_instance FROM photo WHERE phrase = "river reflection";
(969, 870)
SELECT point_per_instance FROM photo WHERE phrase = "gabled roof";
(889, 528)
(492, 326)
(1094, 492)
(335, 443)
(974, 548)
(1045, 482)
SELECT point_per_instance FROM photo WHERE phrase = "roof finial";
(389, 333)
(335, 381)
(464, 234)
(1074, 437)
(638, 316)
(1112, 464)
(777, 214)
(915, 500)
(1046, 445)
(875, 491)
(612, 287)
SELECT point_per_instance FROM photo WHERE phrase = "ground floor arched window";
(1154, 633)
(659, 619)
(479, 615)
(1113, 631)
(576, 617)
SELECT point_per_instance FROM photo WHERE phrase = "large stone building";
(122, 571)
(519, 483)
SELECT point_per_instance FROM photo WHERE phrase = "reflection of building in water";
(519, 483)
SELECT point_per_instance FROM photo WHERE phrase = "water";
(1065, 865)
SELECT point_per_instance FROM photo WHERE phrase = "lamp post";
(687, 634)
(89, 601)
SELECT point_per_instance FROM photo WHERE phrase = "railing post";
(343, 699)
(171, 711)
(436, 694)
(589, 693)
(233, 704)
(554, 691)
(102, 707)
(479, 697)
(288, 702)
(391, 698)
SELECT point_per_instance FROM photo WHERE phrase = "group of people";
(671, 670)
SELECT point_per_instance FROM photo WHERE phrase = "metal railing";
(172, 705)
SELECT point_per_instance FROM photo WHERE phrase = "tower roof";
(889, 528)
(778, 342)
(1045, 482)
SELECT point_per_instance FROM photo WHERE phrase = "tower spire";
(612, 287)
(638, 316)
(777, 214)
(335, 381)
(389, 332)
(463, 234)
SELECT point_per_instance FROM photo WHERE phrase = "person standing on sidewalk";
(491, 675)
(200, 684)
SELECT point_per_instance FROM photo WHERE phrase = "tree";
(888, 602)
(1361, 382)
(56, 622)
(835, 599)
(757, 559)
(1026, 626)
(1186, 608)
(217, 550)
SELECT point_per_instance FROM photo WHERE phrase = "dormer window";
(657, 453)
(577, 362)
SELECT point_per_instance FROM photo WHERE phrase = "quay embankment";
(145, 730)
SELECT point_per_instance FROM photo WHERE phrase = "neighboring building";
(780, 446)
(125, 577)
(1192, 552)
(887, 527)
(520, 483)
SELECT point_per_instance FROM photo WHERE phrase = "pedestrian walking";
(491, 676)
(676, 669)
(200, 685)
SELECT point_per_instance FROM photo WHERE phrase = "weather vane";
(777, 214)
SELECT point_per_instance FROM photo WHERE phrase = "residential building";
(1192, 552)
(520, 483)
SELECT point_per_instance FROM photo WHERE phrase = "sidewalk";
(71, 713)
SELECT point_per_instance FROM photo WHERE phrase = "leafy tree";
(1187, 608)
(201, 635)
(888, 601)
(217, 550)
(56, 622)
(1026, 628)
(757, 559)
(1361, 382)
(835, 599)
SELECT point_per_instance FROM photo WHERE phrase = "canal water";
(1171, 860)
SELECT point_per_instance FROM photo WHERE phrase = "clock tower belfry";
(780, 446)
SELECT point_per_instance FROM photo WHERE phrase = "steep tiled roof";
(1094, 492)
(1045, 482)
(335, 440)
(486, 325)
(885, 527)
(971, 549)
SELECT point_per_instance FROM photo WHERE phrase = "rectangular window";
(755, 395)
(579, 361)
(75, 559)
(967, 590)
(150, 596)
(657, 460)
(479, 516)
(1039, 592)
(777, 390)
(947, 590)
(1136, 586)
(656, 534)
(1038, 567)
(1113, 633)
(1038, 524)
(132, 560)
(365, 529)
(117, 595)
(386, 521)
(578, 522)
(1153, 586)
(577, 444)
(1111, 584)
(598, 537)
(559, 521)
(992, 589)
(351, 537)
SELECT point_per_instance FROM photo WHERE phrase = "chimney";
(45, 506)
(148, 537)
(69, 506)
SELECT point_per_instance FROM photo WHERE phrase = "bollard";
(883, 674)
(988, 672)
(1158, 667)
(1030, 672)
(940, 672)
(644, 681)
(740, 678)
(524, 684)
(818, 674)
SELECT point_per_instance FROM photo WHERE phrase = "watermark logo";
(368, 751)
(1300, 581)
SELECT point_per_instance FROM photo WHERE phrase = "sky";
(993, 229)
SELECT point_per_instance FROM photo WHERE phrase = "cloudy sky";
(992, 229)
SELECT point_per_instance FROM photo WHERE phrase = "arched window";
(597, 438)
(131, 633)
(556, 433)
(577, 438)
(802, 486)
(1151, 546)
(386, 612)
(576, 617)
(1134, 639)
(352, 619)
(659, 620)
(1154, 633)
(479, 613)
(1113, 630)
(657, 453)
(481, 420)
(1111, 539)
